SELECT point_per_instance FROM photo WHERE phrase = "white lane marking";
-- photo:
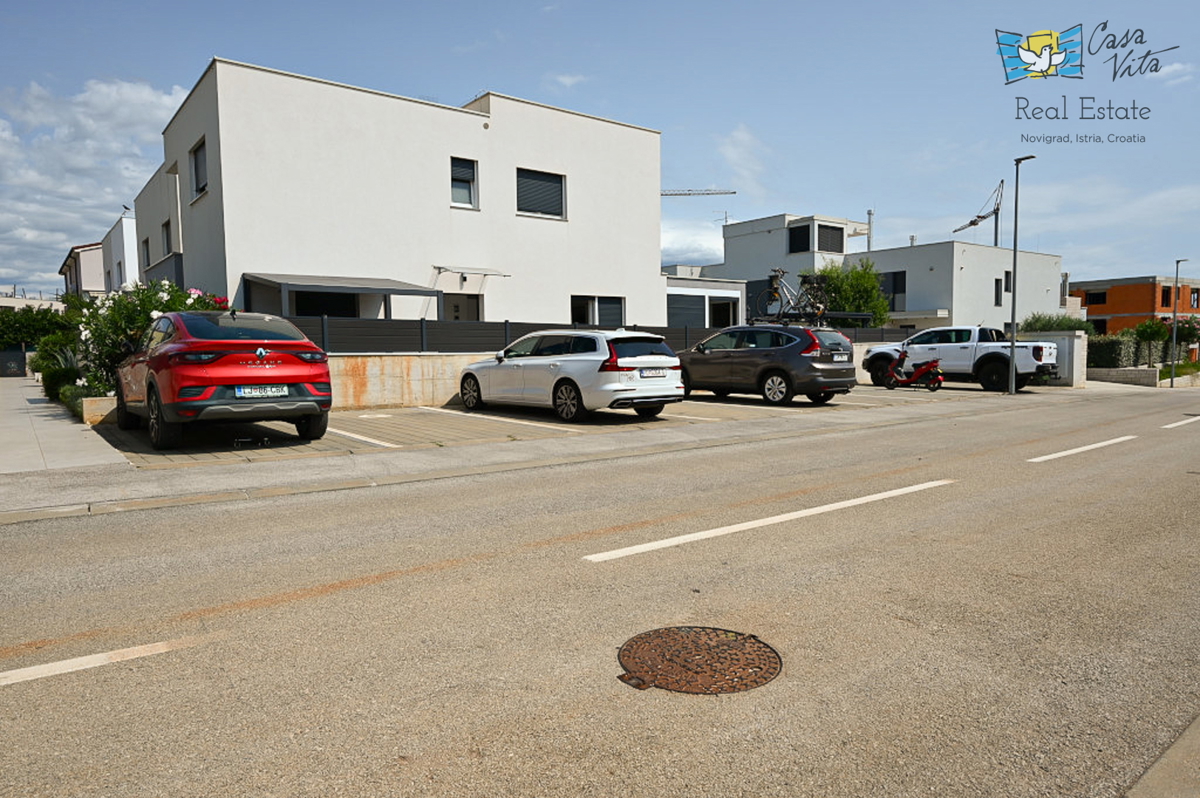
(1181, 423)
(1069, 452)
(747, 525)
(364, 438)
(96, 660)
(689, 418)
(377, 415)
(502, 418)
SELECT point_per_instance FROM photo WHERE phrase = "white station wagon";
(577, 371)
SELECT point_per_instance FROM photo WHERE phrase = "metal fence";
(12, 363)
(344, 336)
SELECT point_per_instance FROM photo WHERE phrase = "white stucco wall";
(119, 249)
(311, 177)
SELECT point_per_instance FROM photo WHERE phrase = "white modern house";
(300, 196)
(118, 251)
(928, 285)
(83, 270)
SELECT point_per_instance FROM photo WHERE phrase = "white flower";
(81, 382)
(111, 393)
(166, 283)
(84, 334)
(129, 286)
(191, 299)
(154, 314)
(164, 296)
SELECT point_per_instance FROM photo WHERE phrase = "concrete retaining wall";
(1132, 376)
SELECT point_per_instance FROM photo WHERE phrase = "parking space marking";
(689, 418)
(364, 438)
(748, 525)
(96, 660)
(1181, 423)
(1089, 448)
(501, 418)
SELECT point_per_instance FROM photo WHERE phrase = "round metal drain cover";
(697, 659)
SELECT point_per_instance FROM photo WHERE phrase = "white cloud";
(562, 82)
(742, 152)
(691, 243)
(68, 163)
(1173, 74)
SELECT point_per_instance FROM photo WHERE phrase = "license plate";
(841, 357)
(260, 391)
(646, 373)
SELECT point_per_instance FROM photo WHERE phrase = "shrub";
(26, 325)
(53, 379)
(110, 323)
(1046, 322)
(72, 398)
(55, 349)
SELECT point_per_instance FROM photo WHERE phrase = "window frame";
(528, 180)
(458, 167)
(197, 163)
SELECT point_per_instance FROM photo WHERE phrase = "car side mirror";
(701, 349)
(500, 356)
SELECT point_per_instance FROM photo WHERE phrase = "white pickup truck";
(968, 354)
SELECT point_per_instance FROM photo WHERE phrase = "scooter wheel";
(890, 382)
(934, 385)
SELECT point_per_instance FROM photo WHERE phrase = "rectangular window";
(602, 311)
(1196, 297)
(144, 254)
(1166, 296)
(1008, 282)
(999, 298)
(462, 182)
(798, 239)
(541, 193)
(830, 239)
(1095, 298)
(166, 238)
(199, 160)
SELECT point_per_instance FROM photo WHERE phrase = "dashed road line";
(97, 660)
(1181, 423)
(555, 427)
(1089, 448)
(748, 525)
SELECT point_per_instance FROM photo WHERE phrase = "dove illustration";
(1043, 61)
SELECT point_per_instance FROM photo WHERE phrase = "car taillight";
(195, 357)
(1037, 353)
(814, 347)
(610, 364)
(313, 357)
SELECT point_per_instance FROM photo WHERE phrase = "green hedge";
(1124, 351)
(53, 380)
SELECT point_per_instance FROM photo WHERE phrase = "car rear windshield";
(638, 347)
(830, 338)
(228, 327)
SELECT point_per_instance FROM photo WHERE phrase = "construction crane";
(694, 192)
(994, 212)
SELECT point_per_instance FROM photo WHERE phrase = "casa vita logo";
(1044, 54)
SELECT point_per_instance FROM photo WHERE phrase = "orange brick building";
(1124, 303)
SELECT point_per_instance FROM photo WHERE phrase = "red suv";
(222, 366)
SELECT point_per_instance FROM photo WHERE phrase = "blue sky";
(801, 107)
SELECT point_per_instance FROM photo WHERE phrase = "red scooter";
(927, 374)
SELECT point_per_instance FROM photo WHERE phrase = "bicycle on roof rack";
(779, 302)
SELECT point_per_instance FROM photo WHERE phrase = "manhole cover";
(697, 659)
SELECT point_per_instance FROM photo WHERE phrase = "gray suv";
(775, 360)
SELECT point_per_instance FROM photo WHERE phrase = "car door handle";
(553, 365)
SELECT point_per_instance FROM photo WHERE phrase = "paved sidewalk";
(37, 434)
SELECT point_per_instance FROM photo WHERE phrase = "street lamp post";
(1175, 319)
(1012, 346)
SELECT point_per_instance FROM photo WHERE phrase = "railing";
(342, 336)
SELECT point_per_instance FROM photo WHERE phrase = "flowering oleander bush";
(108, 324)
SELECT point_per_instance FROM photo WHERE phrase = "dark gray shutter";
(798, 238)
(684, 310)
(539, 192)
(610, 311)
(462, 169)
(830, 239)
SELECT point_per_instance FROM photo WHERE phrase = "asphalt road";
(955, 614)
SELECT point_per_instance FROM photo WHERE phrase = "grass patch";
(1181, 370)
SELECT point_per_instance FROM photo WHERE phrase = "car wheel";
(470, 393)
(720, 393)
(994, 377)
(125, 419)
(1022, 382)
(568, 403)
(312, 428)
(879, 371)
(821, 398)
(163, 434)
(649, 411)
(686, 379)
(777, 388)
